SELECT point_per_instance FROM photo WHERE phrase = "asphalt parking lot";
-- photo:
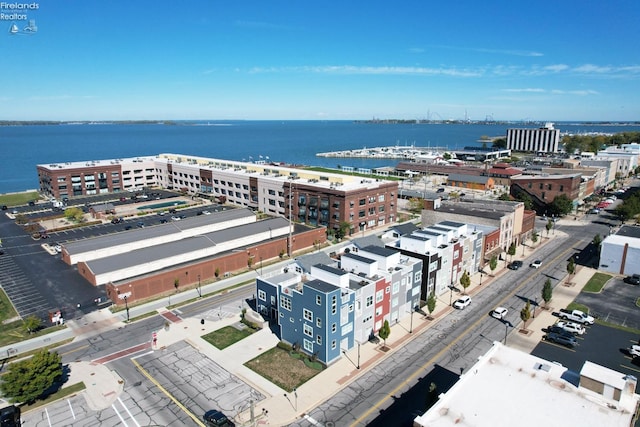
(37, 281)
(604, 344)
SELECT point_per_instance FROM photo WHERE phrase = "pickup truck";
(573, 327)
(576, 316)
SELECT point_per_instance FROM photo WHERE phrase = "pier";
(409, 152)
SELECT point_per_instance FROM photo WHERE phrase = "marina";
(410, 152)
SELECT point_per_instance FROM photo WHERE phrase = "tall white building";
(540, 140)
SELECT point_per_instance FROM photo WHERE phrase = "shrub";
(283, 345)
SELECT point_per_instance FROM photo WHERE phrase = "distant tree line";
(595, 143)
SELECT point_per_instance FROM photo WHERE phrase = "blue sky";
(272, 59)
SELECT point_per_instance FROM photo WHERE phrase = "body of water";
(24, 147)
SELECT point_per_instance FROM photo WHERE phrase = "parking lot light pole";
(126, 305)
(506, 330)
(199, 288)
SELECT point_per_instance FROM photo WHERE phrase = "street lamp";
(358, 365)
(126, 305)
(261, 265)
(411, 324)
(199, 288)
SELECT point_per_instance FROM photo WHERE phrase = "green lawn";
(286, 370)
(6, 308)
(18, 199)
(15, 332)
(596, 283)
(224, 337)
(60, 394)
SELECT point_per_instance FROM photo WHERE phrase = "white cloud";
(372, 70)
(527, 90)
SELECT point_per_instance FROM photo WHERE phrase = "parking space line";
(113, 405)
(128, 412)
(71, 409)
(169, 395)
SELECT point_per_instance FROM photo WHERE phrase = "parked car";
(499, 313)
(634, 350)
(206, 213)
(634, 279)
(57, 247)
(536, 264)
(557, 330)
(515, 265)
(140, 224)
(175, 218)
(462, 302)
(215, 418)
(565, 340)
(573, 327)
(440, 190)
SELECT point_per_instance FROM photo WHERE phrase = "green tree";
(415, 205)
(32, 324)
(547, 292)
(512, 250)
(534, 237)
(384, 332)
(525, 314)
(493, 263)
(343, 228)
(217, 272)
(561, 205)
(431, 302)
(465, 280)
(499, 143)
(29, 379)
(504, 196)
(597, 241)
(549, 226)
(571, 267)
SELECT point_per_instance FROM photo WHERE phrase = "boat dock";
(409, 152)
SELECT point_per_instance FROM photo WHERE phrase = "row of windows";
(549, 186)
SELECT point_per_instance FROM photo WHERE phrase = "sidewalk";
(281, 408)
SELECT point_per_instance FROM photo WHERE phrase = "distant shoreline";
(370, 121)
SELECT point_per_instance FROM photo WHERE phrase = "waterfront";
(295, 142)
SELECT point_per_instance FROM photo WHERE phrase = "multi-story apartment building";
(541, 140)
(60, 180)
(310, 197)
(447, 250)
(327, 308)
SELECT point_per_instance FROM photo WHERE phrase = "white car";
(536, 264)
(206, 213)
(574, 328)
(462, 302)
(57, 248)
(634, 350)
(175, 218)
(499, 313)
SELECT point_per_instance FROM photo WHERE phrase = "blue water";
(161, 205)
(23, 147)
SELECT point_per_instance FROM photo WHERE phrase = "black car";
(565, 340)
(214, 418)
(515, 265)
(555, 329)
(634, 279)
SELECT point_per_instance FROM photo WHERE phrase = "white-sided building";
(539, 140)
(508, 387)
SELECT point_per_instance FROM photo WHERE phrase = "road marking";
(169, 395)
(122, 353)
(71, 409)
(113, 405)
(48, 418)
(73, 351)
(411, 377)
(128, 412)
(312, 420)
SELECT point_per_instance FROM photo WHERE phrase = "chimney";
(630, 383)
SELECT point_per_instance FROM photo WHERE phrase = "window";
(387, 289)
(333, 344)
(396, 287)
(381, 198)
(291, 319)
(369, 301)
(319, 340)
(308, 345)
(307, 314)
(362, 202)
(285, 302)
(308, 330)
(318, 322)
(262, 295)
(379, 295)
(334, 304)
(333, 328)
(318, 300)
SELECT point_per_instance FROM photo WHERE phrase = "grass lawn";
(18, 199)
(596, 283)
(576, 306)
(6, 308)
(285, 371)
(60, 394)
(224, 337)
(15, 332)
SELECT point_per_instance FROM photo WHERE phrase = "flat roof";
(508, 387)
(177, 247)
(171, 230)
